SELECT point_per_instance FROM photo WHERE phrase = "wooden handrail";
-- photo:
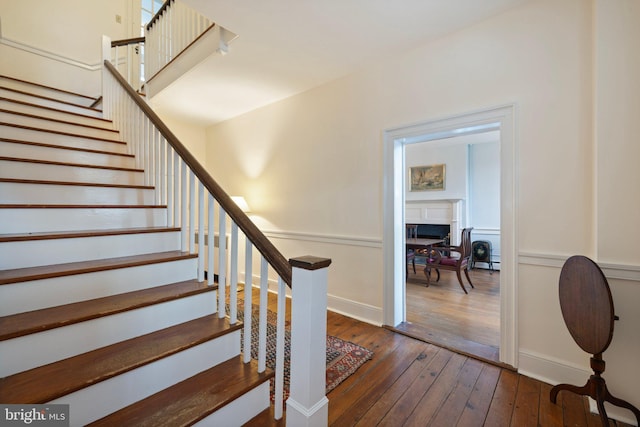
(259, 240)
(160, 11)
(125, 42)
(181, 52)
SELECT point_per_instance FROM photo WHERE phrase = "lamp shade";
(241, 202)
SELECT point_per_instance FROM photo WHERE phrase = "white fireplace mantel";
(447, 212)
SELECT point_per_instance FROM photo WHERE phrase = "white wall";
(311, 166)
(484, 197)
(456, 161)
(66, 36)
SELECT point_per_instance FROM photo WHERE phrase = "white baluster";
(162, 171)
(201, 243)
(192, 212)
(169, 188)
(248, 299)
(211, 241)
(222, 260)
(183, 205)
(262, 316)
(176, 189)
(280, 331)
(233, 275)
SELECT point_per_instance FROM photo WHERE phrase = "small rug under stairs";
(343, 357)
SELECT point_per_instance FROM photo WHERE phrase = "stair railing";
(128, 56)
(172, 29)
(182, 184)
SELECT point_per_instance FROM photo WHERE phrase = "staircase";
(100, 309)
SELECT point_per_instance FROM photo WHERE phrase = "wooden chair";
(587, 309)
(453, 258)
(412, 233)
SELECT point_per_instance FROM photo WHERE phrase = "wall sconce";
(242, 203)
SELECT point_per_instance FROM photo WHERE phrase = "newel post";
(307, 404)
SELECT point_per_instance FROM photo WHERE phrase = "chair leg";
(466, 273)
(413, 261)
(460, 281)
(427, 272)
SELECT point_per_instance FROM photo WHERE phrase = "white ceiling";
(285, 47)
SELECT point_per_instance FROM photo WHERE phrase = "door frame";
(395, 140)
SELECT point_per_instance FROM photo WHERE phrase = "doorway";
(469, 196)
(395, 171)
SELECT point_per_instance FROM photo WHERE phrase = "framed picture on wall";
(427, 178)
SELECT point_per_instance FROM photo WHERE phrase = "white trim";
(551, 370)
(369, 242)
(393, 212)
(50, 55)
(356, 310)
(555, 371)
(486, 231)
(610, 270)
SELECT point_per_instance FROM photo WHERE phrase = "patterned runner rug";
(343, 357)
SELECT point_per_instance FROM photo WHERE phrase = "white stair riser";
(50, 103)
(91, 403)
(35, 253)
(66, 194)
(42, 171)
(36, 220)
(241, 410)
(43, 123)
(8, 104)
(47, 92)
(11, 132)
(44, 293)
(55, 154)
(30, 351)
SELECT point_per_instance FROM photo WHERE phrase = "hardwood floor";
(412, 383)
(443, 314)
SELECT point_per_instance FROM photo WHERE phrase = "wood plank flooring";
(443, 314)
(412, 383)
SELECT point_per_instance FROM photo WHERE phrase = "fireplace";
(436, 218)
(433, 231)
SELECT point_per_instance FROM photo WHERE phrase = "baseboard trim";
(359, 311)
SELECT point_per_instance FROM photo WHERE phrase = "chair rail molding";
(611, 270)
(49, 55)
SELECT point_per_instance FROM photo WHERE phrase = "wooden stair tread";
(193, 399)
(49, 119)
(75, 184)
(51, 99)
(47, 235)
(68, 92)
(57, 132)
(54, 317)
(58, 270)
(53, 206)
(64, 147)
(75, 165)
(48, 382)
(43, 107)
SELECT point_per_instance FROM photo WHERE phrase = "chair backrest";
(465, 243)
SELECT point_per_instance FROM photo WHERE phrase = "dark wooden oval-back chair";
(412, 233)
(454, 258)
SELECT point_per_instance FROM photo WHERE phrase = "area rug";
(343, 357)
